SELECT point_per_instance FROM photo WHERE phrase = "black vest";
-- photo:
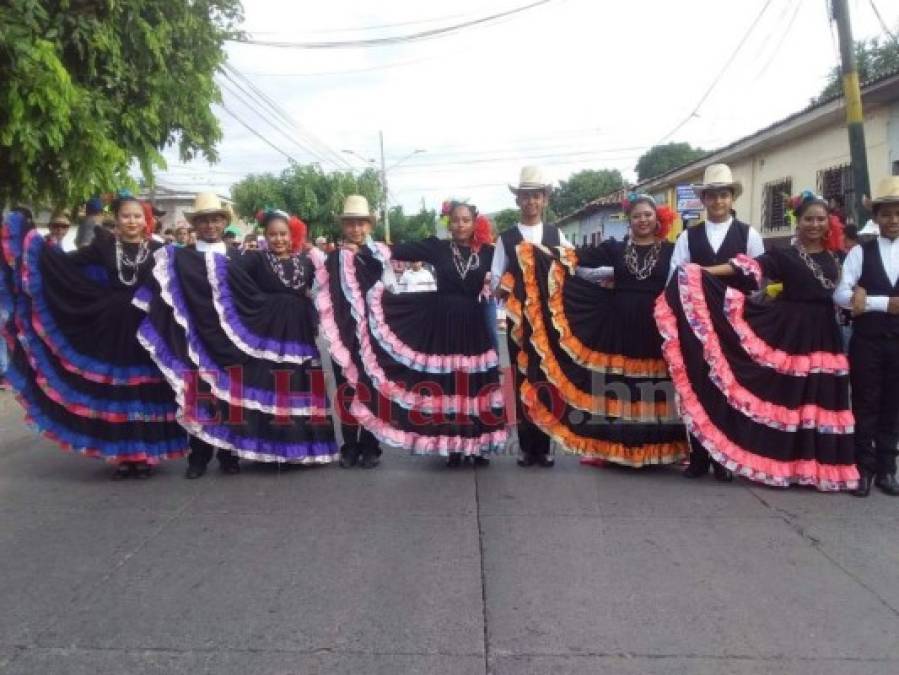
(512, 238)
(875, 282)
(735, 242)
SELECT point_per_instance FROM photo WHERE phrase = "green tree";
(661, 158)
(405, 228)
(505, 219)
(89, 87)
(582, 187)
(874, 58)
(306, 190)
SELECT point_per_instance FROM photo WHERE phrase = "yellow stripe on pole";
(853, 98)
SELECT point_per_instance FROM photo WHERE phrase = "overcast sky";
(571, 84)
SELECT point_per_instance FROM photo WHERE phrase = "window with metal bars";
(774, 204)
(836, 182)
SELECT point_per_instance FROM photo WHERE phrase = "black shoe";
(230, 468)
(722, 473)
(887, 484)
(526, 459)
(864, 485)
(480, 460)
(369, 459)
(694, 471)
(454, 460)
(141, 470)
(546, 461)
(194, 472)
(349, 457)
(123, 470)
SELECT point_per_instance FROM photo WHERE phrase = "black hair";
(471, 208)
(641, 199)
(118, 202)
(274, 215)
(809, 202)
(850, 232)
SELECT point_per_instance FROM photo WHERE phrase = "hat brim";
(358, 216)
(736, 187)
(190, 215)
(889, 199)
(545, 189)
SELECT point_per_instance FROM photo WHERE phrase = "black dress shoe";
(526, 460)
(693, 471)
(349, 457)
(546, 461)
(887, 484)
(369, 460)
(194, 472)
(480, 460)
(864, 485)
(230, 468)
(454, 460)
(722, 473)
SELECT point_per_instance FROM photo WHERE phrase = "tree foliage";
(661, 158)
(405, 228)
(90, 86)
(505, 219)
(306, 190)
(874, 58)
(582, 187)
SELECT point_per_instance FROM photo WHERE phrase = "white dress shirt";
(715, 233)
(215, 247)
(852, 272)
(417, 281)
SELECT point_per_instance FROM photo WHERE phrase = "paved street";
(414, 568)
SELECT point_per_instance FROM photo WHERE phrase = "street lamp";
(383, 174)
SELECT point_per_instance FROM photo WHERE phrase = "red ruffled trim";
(825, 477)
(402, 352)
(800, 365)
(748, 266)
(421, 444)
(395, 391)
(808, 416)
(329, 329)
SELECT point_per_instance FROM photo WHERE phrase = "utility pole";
(854, 118)
(384, 188)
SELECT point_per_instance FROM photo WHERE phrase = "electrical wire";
(883, 24)
(257, 134)
(724, 68)
(396, 39)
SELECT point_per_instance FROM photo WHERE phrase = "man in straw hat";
(209, 218)
(360, 447)
(870, 287)
(712, 242)
(532, 197)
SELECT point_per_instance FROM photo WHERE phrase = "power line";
(727, 64)
(883, 24)
(396, 39)
(258, 135)
(360, 29)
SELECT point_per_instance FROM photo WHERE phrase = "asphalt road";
(413, 568)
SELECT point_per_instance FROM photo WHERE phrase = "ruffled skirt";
(763, 386)
(421, 366)
(595, 379)
(242, 363)
(74, 360)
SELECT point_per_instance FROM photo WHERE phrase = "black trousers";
(201, 454)
(356, 438)
(532, 440)
(874, 374)
(700, 459)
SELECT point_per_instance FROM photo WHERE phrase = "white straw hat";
(718, 176)
(531, 178)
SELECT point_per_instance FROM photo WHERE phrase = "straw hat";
(356, 206)
(718, 176)
(59, 218)
(531, 178)
(887, 192)
(205, 204)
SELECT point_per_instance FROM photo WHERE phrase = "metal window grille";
(774, 204)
